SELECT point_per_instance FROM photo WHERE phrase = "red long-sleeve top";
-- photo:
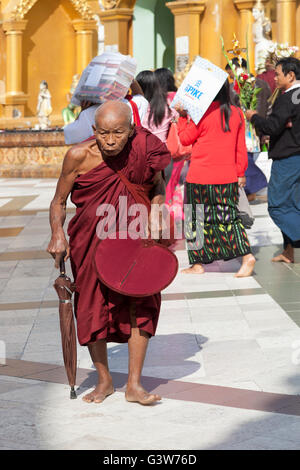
(218, 157)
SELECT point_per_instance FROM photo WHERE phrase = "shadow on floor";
(167, 355)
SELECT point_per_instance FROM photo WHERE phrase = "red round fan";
(136, 268)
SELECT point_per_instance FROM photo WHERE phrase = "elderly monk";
(89, 174)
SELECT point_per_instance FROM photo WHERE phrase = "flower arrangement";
(275, 52)
(244, 86)
(284, 50)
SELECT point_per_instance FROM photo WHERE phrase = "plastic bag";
(252, 140)
(199, 88)
(244, 210)
(107, 77)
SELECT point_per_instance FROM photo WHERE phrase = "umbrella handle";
(62, 265)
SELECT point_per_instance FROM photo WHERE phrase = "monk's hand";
(249, 113)
(59, 248)
(242, 181)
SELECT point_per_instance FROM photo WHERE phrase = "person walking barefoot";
(217, 171)
(245, 270)
(89, 175)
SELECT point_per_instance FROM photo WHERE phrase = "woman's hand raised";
(180, 110)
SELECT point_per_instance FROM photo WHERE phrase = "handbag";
(177, 150)
(244, 210)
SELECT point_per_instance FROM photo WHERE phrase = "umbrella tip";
(73, 394)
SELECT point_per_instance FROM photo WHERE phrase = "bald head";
(113, 111)
(113, 127)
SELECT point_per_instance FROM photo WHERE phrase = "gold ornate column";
(118, 29)
(298, 24)
(187, 18)
(15, 97)
(84, 43)
(246, 24)
(286, 21)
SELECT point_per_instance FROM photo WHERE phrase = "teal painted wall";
(143, 34)
(164, 29)
(153, 35)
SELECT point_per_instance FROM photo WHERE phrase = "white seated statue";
(262, 29)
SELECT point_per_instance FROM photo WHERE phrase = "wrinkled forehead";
(113, 120)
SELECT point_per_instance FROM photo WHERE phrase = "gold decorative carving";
(83, 8)
(24, 6)
(110, 4)
(30, 162)
(21, 9)
(32, 154)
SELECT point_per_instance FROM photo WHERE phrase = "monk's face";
(112, 132)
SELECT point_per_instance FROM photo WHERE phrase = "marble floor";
(225, 359)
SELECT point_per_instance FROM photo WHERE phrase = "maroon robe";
(100, 312)
(269, 77)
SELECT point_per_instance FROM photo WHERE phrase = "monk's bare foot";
(99, 394)
(195, 269)
(247, 266)
(137, 394)
(281, 258)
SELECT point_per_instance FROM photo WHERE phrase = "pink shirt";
(162, 130)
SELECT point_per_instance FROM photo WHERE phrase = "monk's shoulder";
(77, 154)
(146, 137)
(153, 144)
(141, 132)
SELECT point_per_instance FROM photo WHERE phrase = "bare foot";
(281, 258)
(247, 266)
(137, 394)
(195, 269)
(251, 197)
(99, 394)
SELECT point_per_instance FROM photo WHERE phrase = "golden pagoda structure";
(53, 40)
(199, 24)
(47, 40)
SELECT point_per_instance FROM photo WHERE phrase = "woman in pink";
(175, 171)
(159, 116)
(217, 169)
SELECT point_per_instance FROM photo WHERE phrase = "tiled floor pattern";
(225, 358)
